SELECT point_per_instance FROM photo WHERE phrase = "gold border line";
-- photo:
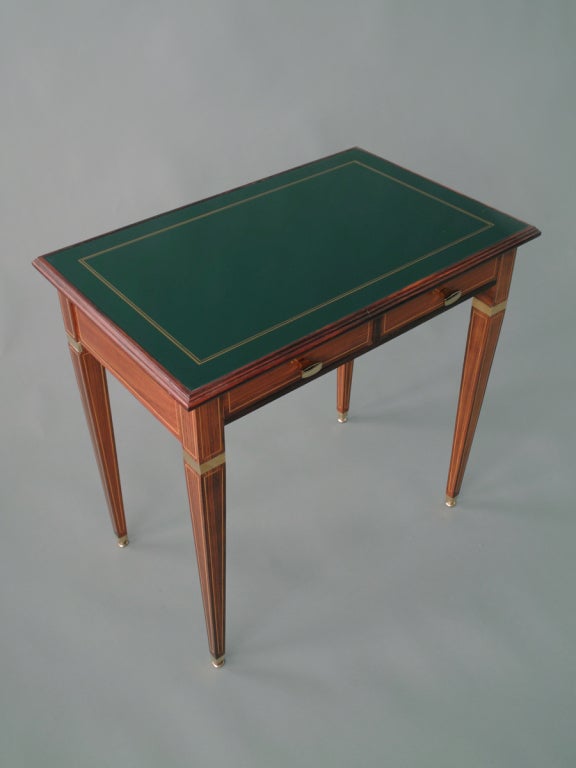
(200, 361)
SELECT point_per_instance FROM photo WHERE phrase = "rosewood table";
(209, 311)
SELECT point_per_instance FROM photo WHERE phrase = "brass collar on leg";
(486, 309)
(201, 469)
(76, 345)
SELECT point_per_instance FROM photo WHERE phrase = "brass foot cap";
(450, 501)
(122, 541)
(343, 417)
(218, 662)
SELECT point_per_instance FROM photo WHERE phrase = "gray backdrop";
(370, 627)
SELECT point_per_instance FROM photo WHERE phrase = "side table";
(208, 312)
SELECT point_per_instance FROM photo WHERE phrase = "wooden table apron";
(197, 417)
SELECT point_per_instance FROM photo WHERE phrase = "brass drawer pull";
(307, 368)
(449, 297)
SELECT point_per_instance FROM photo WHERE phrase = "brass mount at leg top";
(207, 466)
(486, 309)
(75, 345)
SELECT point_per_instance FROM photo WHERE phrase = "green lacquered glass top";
(220, 283)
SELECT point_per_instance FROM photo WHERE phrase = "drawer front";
(445, 295)
(290, 372)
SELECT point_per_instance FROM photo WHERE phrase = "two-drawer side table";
(209, 311)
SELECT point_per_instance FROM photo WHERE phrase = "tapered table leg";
(486, 319)
(344, 385)
(202, 433)
(91, 377)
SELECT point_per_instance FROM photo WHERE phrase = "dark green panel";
(223, 282)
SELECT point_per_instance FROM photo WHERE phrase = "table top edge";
(192, 398)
